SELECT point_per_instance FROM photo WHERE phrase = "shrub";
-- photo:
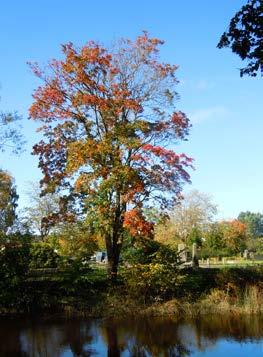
(157, 280)
(13, 262)
(152, 281)
(238, 278)
(140, 251)
(13, 269)
(43, 256)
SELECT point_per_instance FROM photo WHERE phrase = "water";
(207, 336)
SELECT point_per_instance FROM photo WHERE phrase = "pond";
(60, 337)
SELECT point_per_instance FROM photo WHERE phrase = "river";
(60, 337)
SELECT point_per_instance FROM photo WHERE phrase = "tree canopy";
(253, 222)
(196, 211)
(226, 238)
(110, 124)
(234, 234)
(245, 36)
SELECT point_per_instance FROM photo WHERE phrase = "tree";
(195, 236)
(8, 201)
(108, 117)
(75, 241)
(234, 235)
(253, 222)
(214, 238)
(194, 213)
(35, 216)
(166, 232)
(10, 136)
(245, 36)
(225, 238)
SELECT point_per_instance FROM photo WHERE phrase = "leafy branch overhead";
(245, 36)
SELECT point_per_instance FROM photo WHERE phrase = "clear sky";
(225, 110)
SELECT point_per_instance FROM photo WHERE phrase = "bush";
(239, 278)
(14, 265)
(140, 251)
(196, 282)
(153, 281)
(13, 262)
(156, 280)
(43, 256)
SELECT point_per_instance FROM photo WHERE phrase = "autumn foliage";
(109, 126)
(235, 235)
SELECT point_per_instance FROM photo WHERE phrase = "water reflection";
(129, 337)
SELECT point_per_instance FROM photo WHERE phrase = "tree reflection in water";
(145, 337)
(130, 337)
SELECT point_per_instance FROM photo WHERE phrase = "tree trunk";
(113, 255)
(113, 345)
(114, 241)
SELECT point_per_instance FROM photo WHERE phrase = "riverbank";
(88, 293)
(216, 303)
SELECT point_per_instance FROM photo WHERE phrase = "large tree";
(245, 36)
(8, 201)
(110, 124)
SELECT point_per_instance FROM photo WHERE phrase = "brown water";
(207, 336)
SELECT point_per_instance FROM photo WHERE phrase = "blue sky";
(225, 110)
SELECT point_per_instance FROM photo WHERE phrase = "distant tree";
(234, 235)
(253, 222)
(214, 238)
(225, 238)
(245, 36)
(166, 233)
(35, 216)
(10, 135)
(76, 240)
(8, 201)
(195, 236)
(193, 214)
(108, 116)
